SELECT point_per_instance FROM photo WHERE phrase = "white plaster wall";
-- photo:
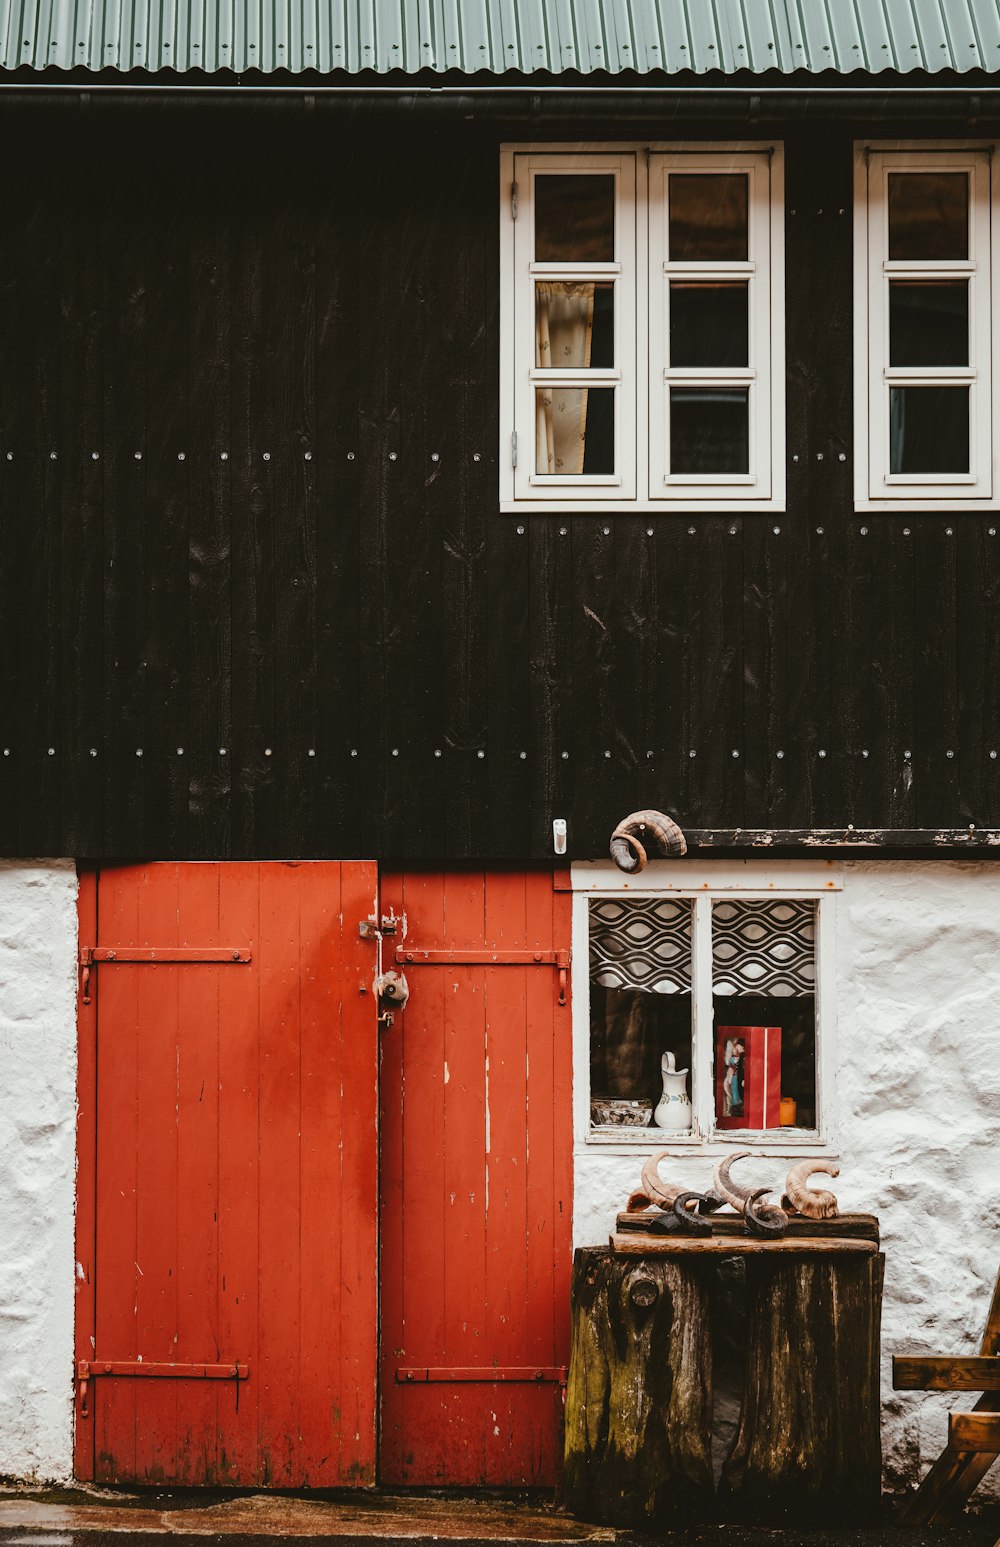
(917, 1110)
(38, 935)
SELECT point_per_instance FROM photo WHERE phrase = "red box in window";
(748, 1077)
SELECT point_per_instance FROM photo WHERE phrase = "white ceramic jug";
(673, 1110)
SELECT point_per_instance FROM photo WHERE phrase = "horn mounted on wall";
(644, 835)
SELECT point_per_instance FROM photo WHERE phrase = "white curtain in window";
(564, 330)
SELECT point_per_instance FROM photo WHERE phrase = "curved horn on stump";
(646, 834)
(814, 1203)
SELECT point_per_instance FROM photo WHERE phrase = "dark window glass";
(708, 217)
(929, 322)
(574, 324)
(575, 218)
(929, 429)
(708, 324)
(629, 1033)
(574, 430)
(709, 430)
(928, 215)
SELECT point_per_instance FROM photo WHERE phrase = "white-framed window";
(724, 970)
(642, 356)
(925, 346)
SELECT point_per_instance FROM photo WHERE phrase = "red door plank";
(475, 1193)
(235, 1196)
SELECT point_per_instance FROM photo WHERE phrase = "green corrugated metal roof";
(500, 36)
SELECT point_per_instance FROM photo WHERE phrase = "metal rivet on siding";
(850, 827)
(649, 531)
(180, 751)
(864, 531)
(819, 531)
(182, 456)
(949, 531)
(795, 458)
(222, 751)
(563, 531)
(307, 456)
(822, 753)
(993, 755)
(311, 752)
(93, 752)
(354, 751)
(223, 456)
(864, 752)
(350, 456)
(10, 456)
(692, 753)
(435, 457)
(649, 754)
(606, 753)
(993, 531)
(138, 751)
(842, 456)
(906, 531)
(476, 457)
(776, 530)
(906, 756)
(395, 751)
(779, 754)
(819, 456)
(138, 456)
(949, 753)
(565, 755)
(732, 531)
(95, 456)
(606, 530)
(735, 752)
(480, 754)
(53, 456)
(393, 456)
(520, 531)
(523, 756)
(52, 752)
(6, 752)
(267, 751)
(266, 456)
(437, 751)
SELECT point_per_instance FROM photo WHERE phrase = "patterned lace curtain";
(766, 947)
(641, 942)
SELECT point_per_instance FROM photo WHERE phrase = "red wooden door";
(227, 1218)
(476, 1179)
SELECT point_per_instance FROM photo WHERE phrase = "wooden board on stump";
(639, 1394)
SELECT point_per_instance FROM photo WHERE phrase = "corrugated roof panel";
(502, 36)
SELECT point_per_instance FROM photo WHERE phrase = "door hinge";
(157, 955)
(373, 928)
(87, 1369)
(513, 448)
(513, 201)
(481, 1374)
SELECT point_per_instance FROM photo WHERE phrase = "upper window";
(642, 334)
(925, 351)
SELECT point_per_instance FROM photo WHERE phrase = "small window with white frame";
(642, 328)
(925, 355)
(707, 1015)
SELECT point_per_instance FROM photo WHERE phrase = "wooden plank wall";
(255, 592)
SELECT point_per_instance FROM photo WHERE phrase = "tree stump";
(639, 1394)
(807, 1446)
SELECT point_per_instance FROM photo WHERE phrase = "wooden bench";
(973, 1438)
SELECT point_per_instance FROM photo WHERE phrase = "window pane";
(929, 429)
(709, 324)
(640, 1009)
(708, 217)
(574, 430)
(763, 990)
(574, 324)
(575, 218)
(928, 215)
(709, 430)
(929, 322)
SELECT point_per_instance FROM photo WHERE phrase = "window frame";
(705, 882)
(876, 487)
(639, 485)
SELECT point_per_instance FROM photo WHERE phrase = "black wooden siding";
(305, 584)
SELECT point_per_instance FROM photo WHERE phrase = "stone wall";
(917, 1119)
(38, 931)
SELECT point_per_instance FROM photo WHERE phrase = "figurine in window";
(732, 1085)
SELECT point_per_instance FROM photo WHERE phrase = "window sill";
(588, 504)
(791, 1142)
(899, 506)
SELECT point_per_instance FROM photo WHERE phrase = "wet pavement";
(101, 1517)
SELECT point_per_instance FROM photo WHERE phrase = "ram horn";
(764, 1219)
(638, 1202)
(671, 1198)
(642, 834)
(687, 1207)
(814, 1203)
(729, 1191)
